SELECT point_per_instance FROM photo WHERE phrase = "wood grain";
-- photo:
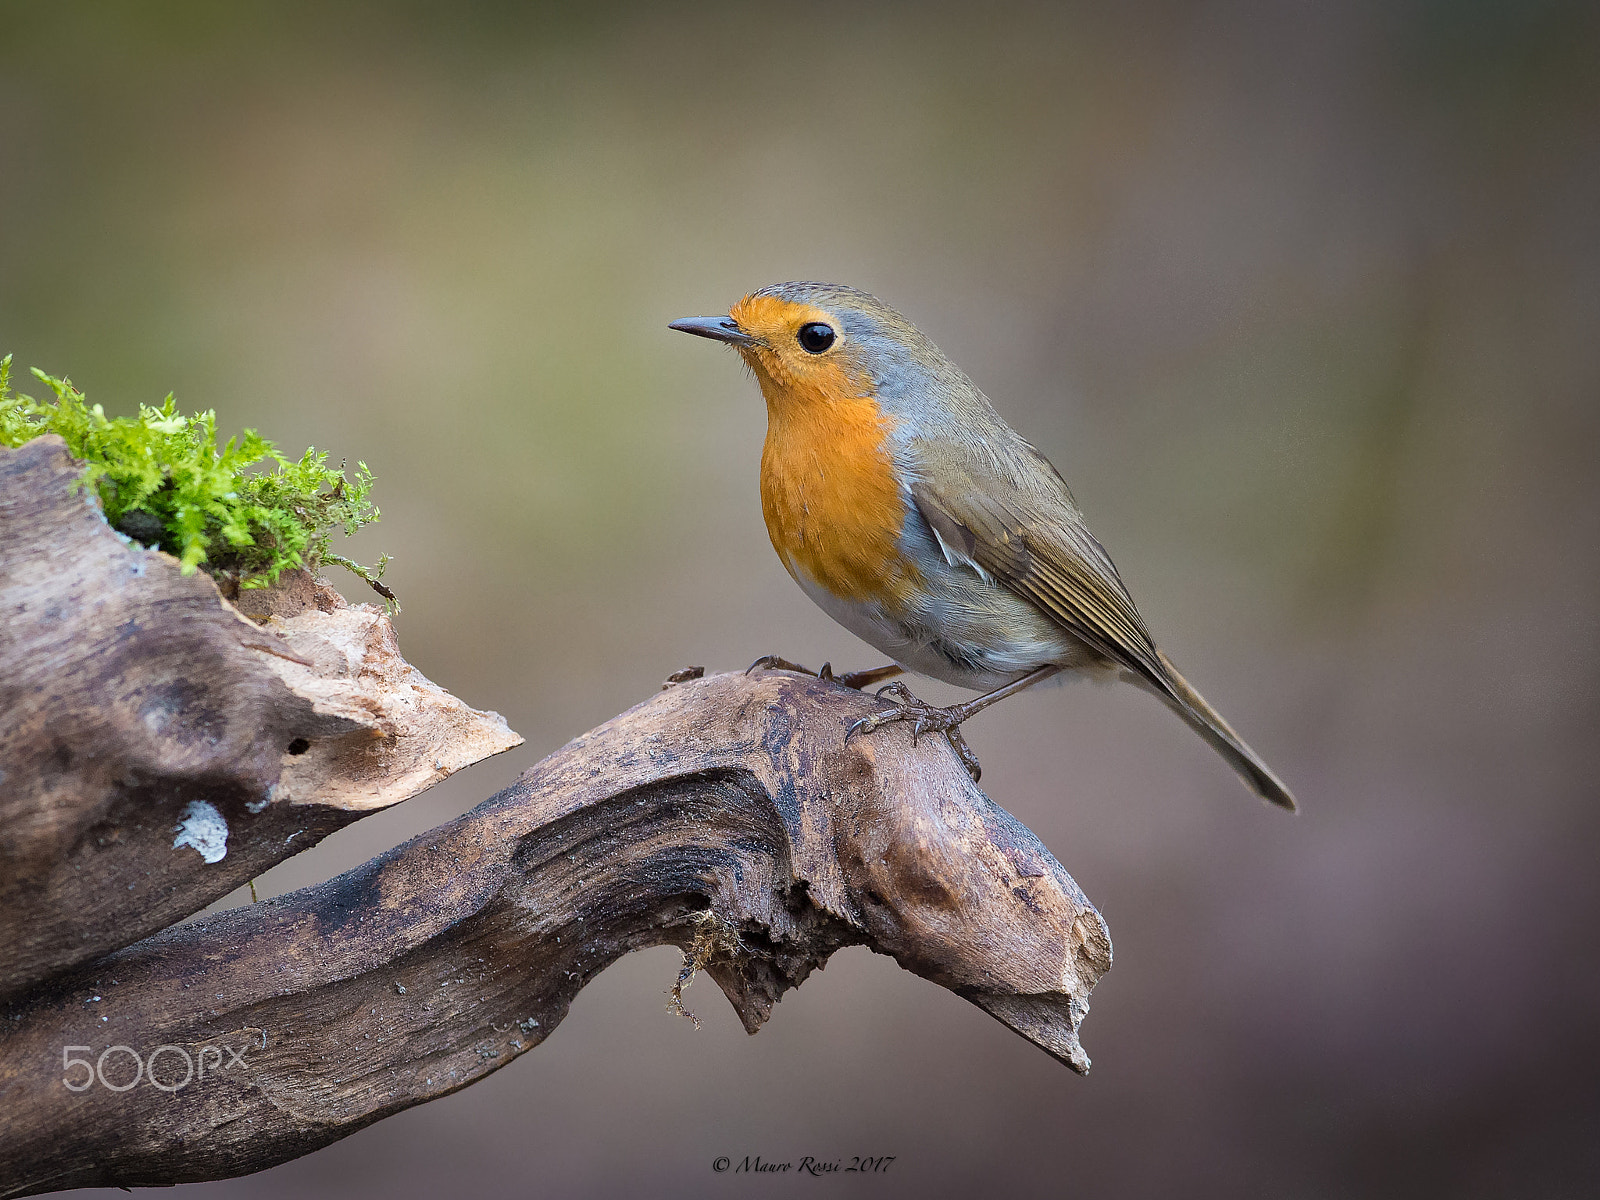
(726, 815)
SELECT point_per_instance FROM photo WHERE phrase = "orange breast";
(828, 492)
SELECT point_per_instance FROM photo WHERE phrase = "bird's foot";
(924, 718)
(853, 679)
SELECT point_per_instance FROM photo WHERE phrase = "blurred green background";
(1303, 299)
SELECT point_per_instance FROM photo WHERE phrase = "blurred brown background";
(1304, 299)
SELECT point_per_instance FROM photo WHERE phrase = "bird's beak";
(718, 329)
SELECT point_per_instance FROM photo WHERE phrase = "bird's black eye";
(816, 337)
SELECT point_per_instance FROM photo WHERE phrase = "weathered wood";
(138, 707)
(726, 815)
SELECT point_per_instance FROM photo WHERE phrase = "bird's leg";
(925, 718)
(854, 679)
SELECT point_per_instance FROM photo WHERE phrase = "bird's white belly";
(960, 630)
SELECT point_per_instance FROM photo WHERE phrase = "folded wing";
(1034, 542)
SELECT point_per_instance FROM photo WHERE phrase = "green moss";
(243, 512)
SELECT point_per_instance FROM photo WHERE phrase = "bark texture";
(158, 748)
(727, 816)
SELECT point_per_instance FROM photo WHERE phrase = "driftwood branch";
(726, 816)
(138, 709)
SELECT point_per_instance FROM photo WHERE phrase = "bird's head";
(812, 343)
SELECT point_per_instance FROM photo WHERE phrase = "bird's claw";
(924, 718)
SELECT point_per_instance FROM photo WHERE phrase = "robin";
(920, 521)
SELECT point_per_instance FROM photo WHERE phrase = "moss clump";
(162, 480)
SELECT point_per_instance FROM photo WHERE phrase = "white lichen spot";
(204, 828)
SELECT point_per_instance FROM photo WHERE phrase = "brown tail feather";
(1192, 707)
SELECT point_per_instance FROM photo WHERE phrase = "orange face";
(789, 370)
